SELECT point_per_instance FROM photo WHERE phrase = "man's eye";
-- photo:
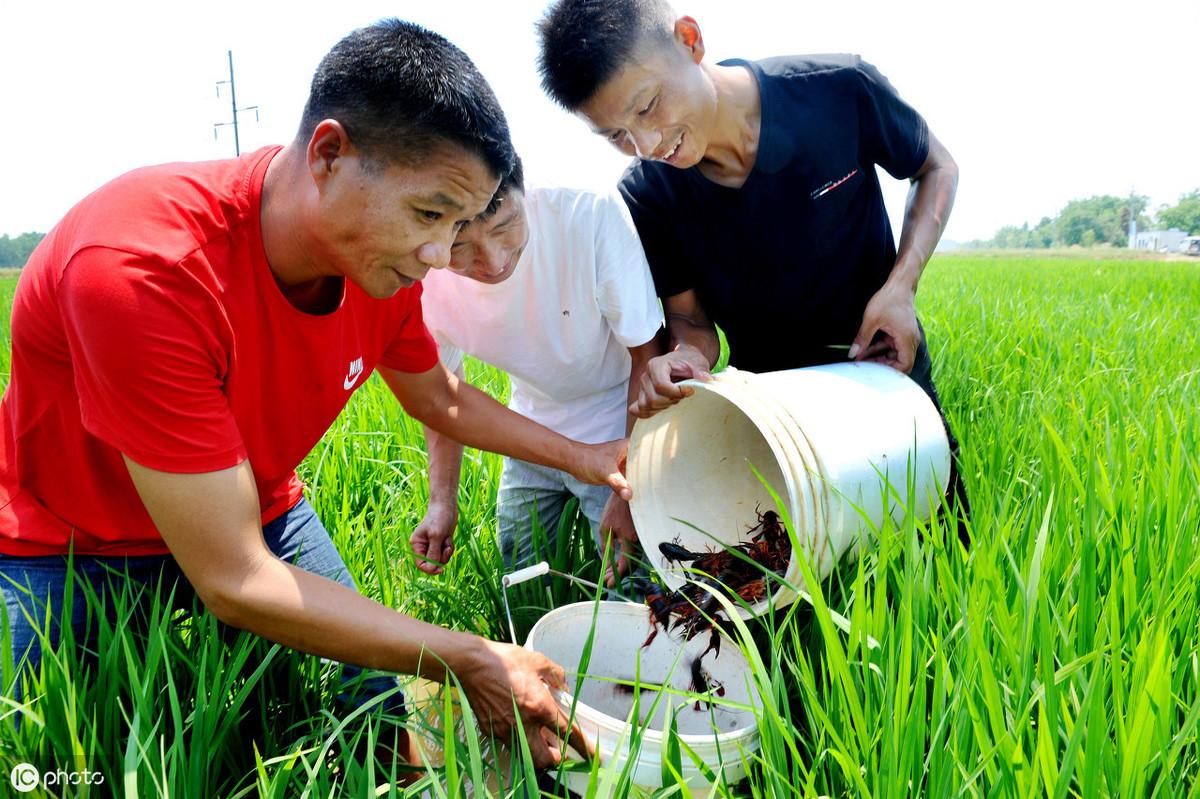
(432, 216)
(616, 137)
(647, 109)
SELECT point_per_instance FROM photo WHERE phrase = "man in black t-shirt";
(755, 193)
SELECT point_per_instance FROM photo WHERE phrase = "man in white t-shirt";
(552, 286)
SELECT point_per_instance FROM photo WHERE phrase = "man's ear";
(327, 146)
(687, 33)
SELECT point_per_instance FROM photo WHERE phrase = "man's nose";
(434, 254)
(491, 260)
(645, 142)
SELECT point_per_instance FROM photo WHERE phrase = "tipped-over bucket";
(723, 735)
(844, 446)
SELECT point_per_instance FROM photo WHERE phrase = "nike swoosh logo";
(356, 370)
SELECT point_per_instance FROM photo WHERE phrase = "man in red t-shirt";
(187, 333)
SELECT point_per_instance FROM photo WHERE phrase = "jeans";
(33, 594)
(528, 492)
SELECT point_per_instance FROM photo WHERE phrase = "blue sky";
(1040, 102)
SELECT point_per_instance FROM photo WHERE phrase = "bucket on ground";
(723, 735)
(844, 446)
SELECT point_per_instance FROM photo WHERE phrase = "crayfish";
(739, 572)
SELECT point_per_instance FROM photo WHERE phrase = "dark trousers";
(956, 491)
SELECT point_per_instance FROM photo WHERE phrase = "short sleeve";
(450, 355)
(149, 350)
(891, 133)
(412, 349)
(624, 288)
(648, 198)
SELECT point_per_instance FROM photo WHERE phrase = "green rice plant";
(1059, 656)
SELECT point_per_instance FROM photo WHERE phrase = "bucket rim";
(730, 386)
(565, 699)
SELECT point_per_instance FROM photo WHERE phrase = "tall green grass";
(1059, 656)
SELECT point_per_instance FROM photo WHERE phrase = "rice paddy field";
(1059, 656)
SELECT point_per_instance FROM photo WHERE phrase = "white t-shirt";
(563, 321)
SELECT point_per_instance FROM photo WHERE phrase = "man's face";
(487, 250)
(659, 107)
(384, 226)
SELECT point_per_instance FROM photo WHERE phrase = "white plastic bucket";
(843, 445)
(723, 736)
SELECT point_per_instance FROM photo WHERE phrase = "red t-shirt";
(149, 323)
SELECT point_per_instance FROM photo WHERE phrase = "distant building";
(1160, 240)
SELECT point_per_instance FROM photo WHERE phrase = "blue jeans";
(34, 586)
(528, 492)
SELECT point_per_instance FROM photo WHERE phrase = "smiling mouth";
(503, 272)
(670, 155)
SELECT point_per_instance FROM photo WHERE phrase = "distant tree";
(1184, 215)
(1012, 237)
(1086, 223)
(15, 251)
(1098, 220)
(1043, 234)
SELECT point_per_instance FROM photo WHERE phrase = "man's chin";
(402, 281)
(495, 280)
(386, 289)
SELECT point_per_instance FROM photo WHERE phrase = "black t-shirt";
(786, 264)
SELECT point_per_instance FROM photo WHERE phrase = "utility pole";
(237, 147)
(1132, 219)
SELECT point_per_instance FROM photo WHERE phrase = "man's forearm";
(296, 608)
(445, 463)
(469, 416)
(930, 199)
(212, 525)
(445, 467)
(685, 332)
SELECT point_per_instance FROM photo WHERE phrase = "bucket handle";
(525, 575)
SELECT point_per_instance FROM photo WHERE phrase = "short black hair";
(400, 91)
(586, 42)
(514, 180)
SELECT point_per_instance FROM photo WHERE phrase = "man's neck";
(288, 256)
(733, 142)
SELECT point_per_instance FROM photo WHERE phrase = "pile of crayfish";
(739, 572)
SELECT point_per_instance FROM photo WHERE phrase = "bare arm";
(433, 540)
(889, 333)
(457, 409)
(690, 328)
(211, 524)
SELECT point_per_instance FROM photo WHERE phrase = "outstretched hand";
(889, 333)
